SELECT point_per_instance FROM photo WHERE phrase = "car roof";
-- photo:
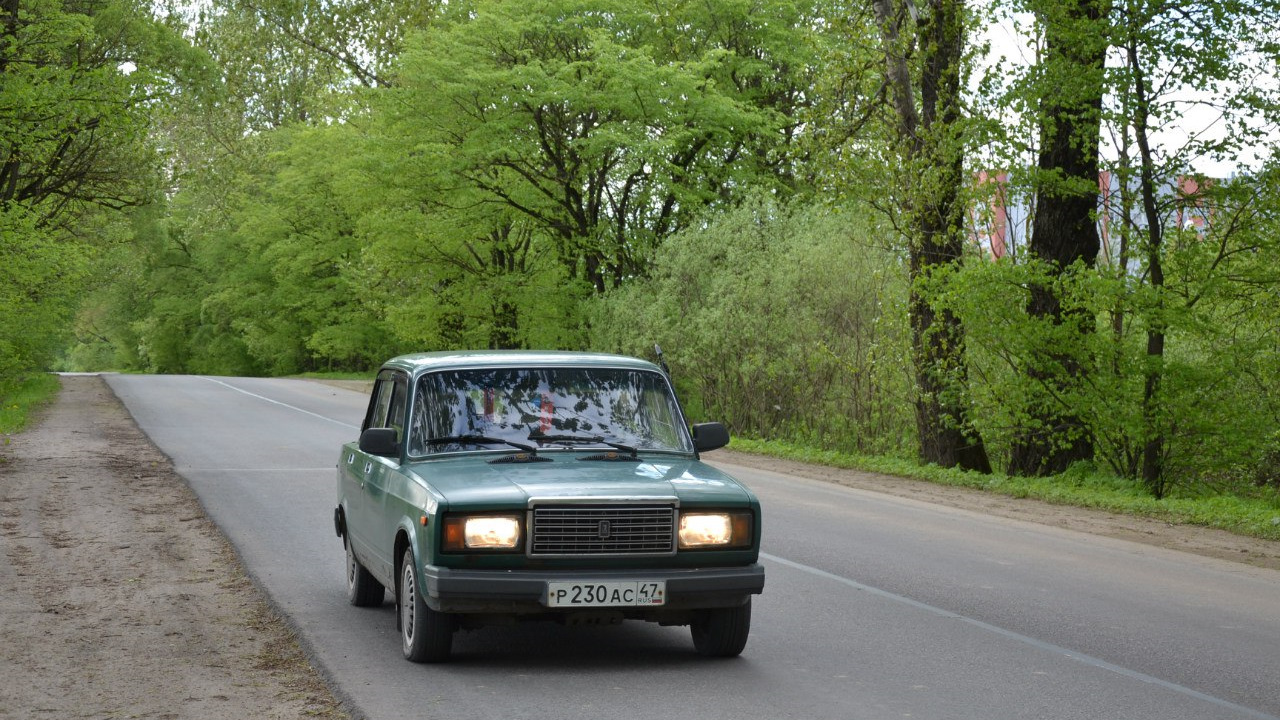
(463, 359)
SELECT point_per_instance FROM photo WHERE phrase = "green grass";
(20, 397)
(1257, 515)
(366, 376)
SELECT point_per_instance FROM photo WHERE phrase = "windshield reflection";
(545, 407)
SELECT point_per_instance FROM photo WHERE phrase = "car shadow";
(551, 646)
(537, 645)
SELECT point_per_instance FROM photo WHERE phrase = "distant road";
(875, 607)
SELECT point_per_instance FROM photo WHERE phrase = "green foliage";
(1218, 408)
(514, 160)
(765, 330)
(358, 178)
(598, 127)
(21, 397)
(1169, 388)
(263, 281)
(80, 82)
(39, 275)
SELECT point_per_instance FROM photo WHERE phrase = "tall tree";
(575, 116)
(357, 40)
(78, 81)
(928, 122)
(1219, 53)
(1064, 234)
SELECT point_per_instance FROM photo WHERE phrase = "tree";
(296, 298)
(449, 270)
(928, 121)
(1070, 87)
(1176, 55)
(599, 125)
(79, 82)
(38, 283)
(355, 40)
(248, 270)
(1151, 348)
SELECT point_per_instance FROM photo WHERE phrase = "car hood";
(472, 483)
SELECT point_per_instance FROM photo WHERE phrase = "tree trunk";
(1153, 445)
(1064, 228)
(934, 154)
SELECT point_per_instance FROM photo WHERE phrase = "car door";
(365, 476)
(381, 473)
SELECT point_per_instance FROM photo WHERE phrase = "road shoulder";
(1207, 542)
(121, 598)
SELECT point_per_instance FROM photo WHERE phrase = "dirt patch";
(1186, 538)
(120, 597)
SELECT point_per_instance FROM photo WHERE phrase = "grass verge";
(20, 397)
(1254, 516)
(366, 376)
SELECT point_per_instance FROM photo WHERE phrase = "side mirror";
(709, 436)
(380, 441)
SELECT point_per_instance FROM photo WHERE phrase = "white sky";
(1009, 49)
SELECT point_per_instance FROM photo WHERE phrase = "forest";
(1030, 237)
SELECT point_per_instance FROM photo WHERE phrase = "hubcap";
(351, 568)
(408, 598)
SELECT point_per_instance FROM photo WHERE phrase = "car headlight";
(481, 532)
(715, 530)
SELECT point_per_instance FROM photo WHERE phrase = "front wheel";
(362, 589)
(426, 636)
(722, 632)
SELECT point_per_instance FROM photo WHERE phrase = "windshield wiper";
(596, 439)
(631, 453)
(481, 440)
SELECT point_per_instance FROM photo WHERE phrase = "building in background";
(1000, 218)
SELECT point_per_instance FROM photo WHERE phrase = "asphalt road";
(875, 607)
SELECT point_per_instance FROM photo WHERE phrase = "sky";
(1192, 114)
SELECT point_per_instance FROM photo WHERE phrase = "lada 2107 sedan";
(490, 487)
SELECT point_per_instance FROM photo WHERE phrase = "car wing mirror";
(380, 441)
(709, 436)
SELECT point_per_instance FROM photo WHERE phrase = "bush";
(784, 324)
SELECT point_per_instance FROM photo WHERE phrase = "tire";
(722, 632)
(362, 589)
(426, 636)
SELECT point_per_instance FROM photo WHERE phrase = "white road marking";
(1039, 644)
(277, 402)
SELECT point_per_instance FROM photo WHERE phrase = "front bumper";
(523, 591)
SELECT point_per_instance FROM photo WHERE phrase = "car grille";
(603, 530)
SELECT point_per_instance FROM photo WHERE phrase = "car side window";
(388, 403)
(379, 402)
(398, 405)
(419, 432)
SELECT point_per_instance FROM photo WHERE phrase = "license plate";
(606, 593)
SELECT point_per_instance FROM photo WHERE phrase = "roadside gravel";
(118, 597)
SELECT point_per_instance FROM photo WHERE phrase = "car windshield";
(547, 408)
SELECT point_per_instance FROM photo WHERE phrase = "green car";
(488, 487)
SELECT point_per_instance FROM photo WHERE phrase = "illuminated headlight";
(715, 530)
(481, 532)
